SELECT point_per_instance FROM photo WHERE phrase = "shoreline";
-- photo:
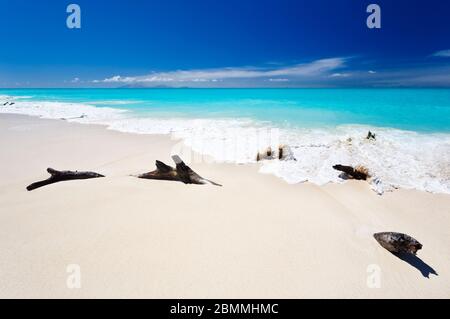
(255, 237)
(395, 159)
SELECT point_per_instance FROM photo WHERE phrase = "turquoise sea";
(322, 127)
(426, 110)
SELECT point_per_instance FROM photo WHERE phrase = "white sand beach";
(255, 237)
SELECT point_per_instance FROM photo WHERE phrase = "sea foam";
(395, 159)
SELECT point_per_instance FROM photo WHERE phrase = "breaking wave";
(395, 159)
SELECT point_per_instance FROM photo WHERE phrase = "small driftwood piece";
(398, 243)
(266, 154)
(74, 118)
(283, 153)
(371, 136)
(59, 176)
(358, 173)
(181, 173)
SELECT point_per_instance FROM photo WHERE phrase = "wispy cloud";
(314, 69)
(339, 75)
(332, 72)
(420, 76)
(442, 54)
(279, 80)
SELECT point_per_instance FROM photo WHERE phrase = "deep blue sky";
(146, 43)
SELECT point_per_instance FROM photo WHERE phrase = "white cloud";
(279, 80)
(312, 69)
(443, 53)
(339, 75)
(333, 72)
(75, 80)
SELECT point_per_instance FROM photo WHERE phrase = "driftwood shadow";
(417, 263)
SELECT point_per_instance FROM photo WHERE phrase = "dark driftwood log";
(182, 173)
(59, 176)
(352, 172)
(398, 243)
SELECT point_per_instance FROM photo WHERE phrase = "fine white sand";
(255, 237)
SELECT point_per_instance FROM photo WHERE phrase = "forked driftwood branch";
(181, 173)
(398, 243)
(59, 176)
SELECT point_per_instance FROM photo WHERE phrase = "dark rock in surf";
(371, 136)
(283, 153)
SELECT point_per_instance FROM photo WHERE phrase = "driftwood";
(181, 173)
(74, 118)
(358, 173)
(59, 176)
(371, 136)
(398, 243)
(283, 153)
(266, 154)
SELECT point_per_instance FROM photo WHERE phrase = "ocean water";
(322, 127)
